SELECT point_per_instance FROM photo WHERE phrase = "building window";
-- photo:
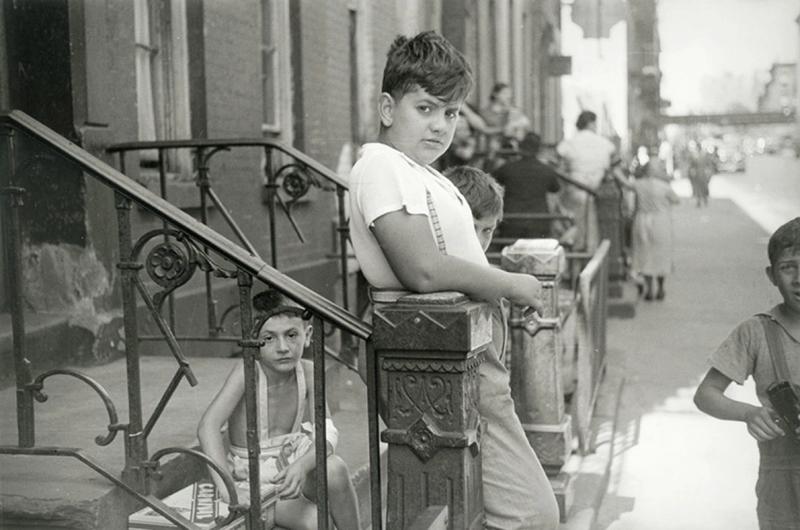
(275, 69)
(162, 80)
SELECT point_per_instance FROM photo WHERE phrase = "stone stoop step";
(48, 492)
(199, 503)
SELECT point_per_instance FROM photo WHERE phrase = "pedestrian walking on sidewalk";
(700, 172)
(766, 347)
(652, 225)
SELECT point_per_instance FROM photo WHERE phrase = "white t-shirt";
(384, 180)
(589, 155)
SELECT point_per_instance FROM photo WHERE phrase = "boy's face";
(285, 337)
(484, 228)
(419, 125)
(785, 275)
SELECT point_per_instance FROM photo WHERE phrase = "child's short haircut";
(427, 61)
(483, 193)
(785, 237)
(271, 302)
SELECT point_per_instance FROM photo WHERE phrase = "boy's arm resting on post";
(209, 430)
(710, 398)
(411, 251)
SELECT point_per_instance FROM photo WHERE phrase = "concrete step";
(60, 492)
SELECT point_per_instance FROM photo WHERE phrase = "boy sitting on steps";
(286, 415)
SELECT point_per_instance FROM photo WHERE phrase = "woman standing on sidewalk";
(652, 224)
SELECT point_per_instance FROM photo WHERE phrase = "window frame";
(162, 82)
(276, 24)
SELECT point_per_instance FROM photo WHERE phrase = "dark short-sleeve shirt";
(527, 182)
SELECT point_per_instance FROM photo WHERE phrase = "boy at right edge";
(767, 347)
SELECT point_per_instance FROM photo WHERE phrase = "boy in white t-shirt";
(412, 229)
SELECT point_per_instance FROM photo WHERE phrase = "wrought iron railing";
(170, 256)
(289, 175)
(591, 314)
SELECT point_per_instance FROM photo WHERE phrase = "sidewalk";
(675, 468)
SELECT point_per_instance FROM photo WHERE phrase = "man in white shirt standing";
(588, 156)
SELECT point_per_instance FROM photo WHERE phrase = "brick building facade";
(303, 72)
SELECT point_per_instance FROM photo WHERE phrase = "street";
(675, 468)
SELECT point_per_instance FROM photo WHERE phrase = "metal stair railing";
(287, 179)
(170, 256)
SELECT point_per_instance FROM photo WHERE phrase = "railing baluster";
(231, 222)
(12, 197)
(162, 184)
(344, 232)
(250, 346)
(320, 440)
(374, 438)
(137, 442)
(203, 185)
(271, 191)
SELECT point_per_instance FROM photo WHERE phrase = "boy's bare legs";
(298, 514)
(342, 498)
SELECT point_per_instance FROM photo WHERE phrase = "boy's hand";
(525, 291)
(761, 425)
(290, 480)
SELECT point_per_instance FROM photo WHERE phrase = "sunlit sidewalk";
(675, 468)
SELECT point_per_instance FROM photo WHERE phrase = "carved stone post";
(428, 349)
(536, 354)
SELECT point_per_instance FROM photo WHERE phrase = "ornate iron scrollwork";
(167, 265)
(170, 263)
(113, 421)
(173, 262)
(295, 181)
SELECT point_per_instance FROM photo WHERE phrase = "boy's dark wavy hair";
(269, 303)
(428, 61)
(786, 236)
(483, 193)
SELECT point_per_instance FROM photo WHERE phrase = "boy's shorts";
(239, 466)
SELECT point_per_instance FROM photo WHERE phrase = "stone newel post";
(536, 356)
(428, 349)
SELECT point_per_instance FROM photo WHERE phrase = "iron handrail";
(306, 160)
(592, 285)
(253, 265)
